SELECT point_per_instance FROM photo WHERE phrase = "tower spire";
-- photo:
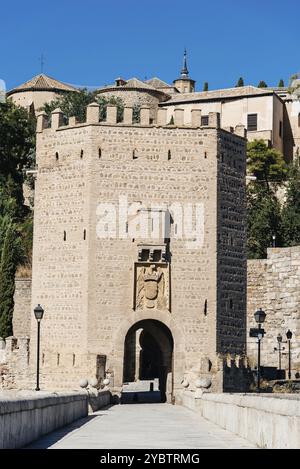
(184, 70)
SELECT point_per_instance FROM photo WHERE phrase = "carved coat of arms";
(151, 288)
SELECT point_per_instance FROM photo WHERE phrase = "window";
(280, 128)
(204, 120)
(56, 156)
(252, 122)
(81, 154)
(99, 152)
(169, 154)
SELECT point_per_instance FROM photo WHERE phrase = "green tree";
(262, 84)
(281, 83)
(17, 140)
(74, 104)
(263, 220)
(205, 86)
(71, 104)
(240, 82)
(266, 164)
(10, 257)
(291, 209)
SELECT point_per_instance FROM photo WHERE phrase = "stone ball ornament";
(106, 382)
(93, 382)
(203, 383)
(83, 383)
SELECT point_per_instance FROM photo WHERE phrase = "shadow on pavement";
(49, 439)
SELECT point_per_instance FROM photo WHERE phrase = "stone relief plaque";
(151, 286)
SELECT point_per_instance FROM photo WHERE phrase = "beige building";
(260, 110)
(37, 91)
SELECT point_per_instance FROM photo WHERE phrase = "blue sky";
(92, 42)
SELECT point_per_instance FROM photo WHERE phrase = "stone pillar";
(138, 349)
(42, 121)
(178, 117)
(111, 114)
(72, 120)
(196, 117)
(214, 119)
(162, 116)
(240, 130)
(128, 114)
(57, 118)
(145, 116)
(92, 113)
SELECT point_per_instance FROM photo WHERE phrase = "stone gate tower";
(139, 249)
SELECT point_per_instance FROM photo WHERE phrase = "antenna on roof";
(42, 62)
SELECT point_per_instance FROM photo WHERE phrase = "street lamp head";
(260, 316)
(279, 338)
(38, 312)
(289, 334)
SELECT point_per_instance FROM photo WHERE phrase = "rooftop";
(225, 93)
(42, 82)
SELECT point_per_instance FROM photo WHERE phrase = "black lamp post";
(279, 349)
(289, 336)
(260, 317)
(38, 312)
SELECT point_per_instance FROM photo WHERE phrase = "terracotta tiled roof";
(158, 83)
(136, 83)
(42, 83)
(219, 94)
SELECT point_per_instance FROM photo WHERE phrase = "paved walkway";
(141, 426)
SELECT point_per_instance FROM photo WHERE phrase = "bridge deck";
(141, 426)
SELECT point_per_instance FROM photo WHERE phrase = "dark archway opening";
(148, 363)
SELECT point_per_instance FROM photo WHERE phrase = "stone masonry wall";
(22, 307)
(274, 285)
(86, 282)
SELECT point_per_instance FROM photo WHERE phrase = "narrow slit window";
(99, 152)
(56, 156)
(205, 308)
(84, 235)
(169, 154)
(65, 236)
(58, 359)
(81, 154)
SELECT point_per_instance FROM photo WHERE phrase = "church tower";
(184, 83)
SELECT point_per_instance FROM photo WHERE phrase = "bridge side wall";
(268, 422)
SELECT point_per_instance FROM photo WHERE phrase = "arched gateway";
(148, 356)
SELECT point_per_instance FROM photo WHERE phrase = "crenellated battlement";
(178, 120)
